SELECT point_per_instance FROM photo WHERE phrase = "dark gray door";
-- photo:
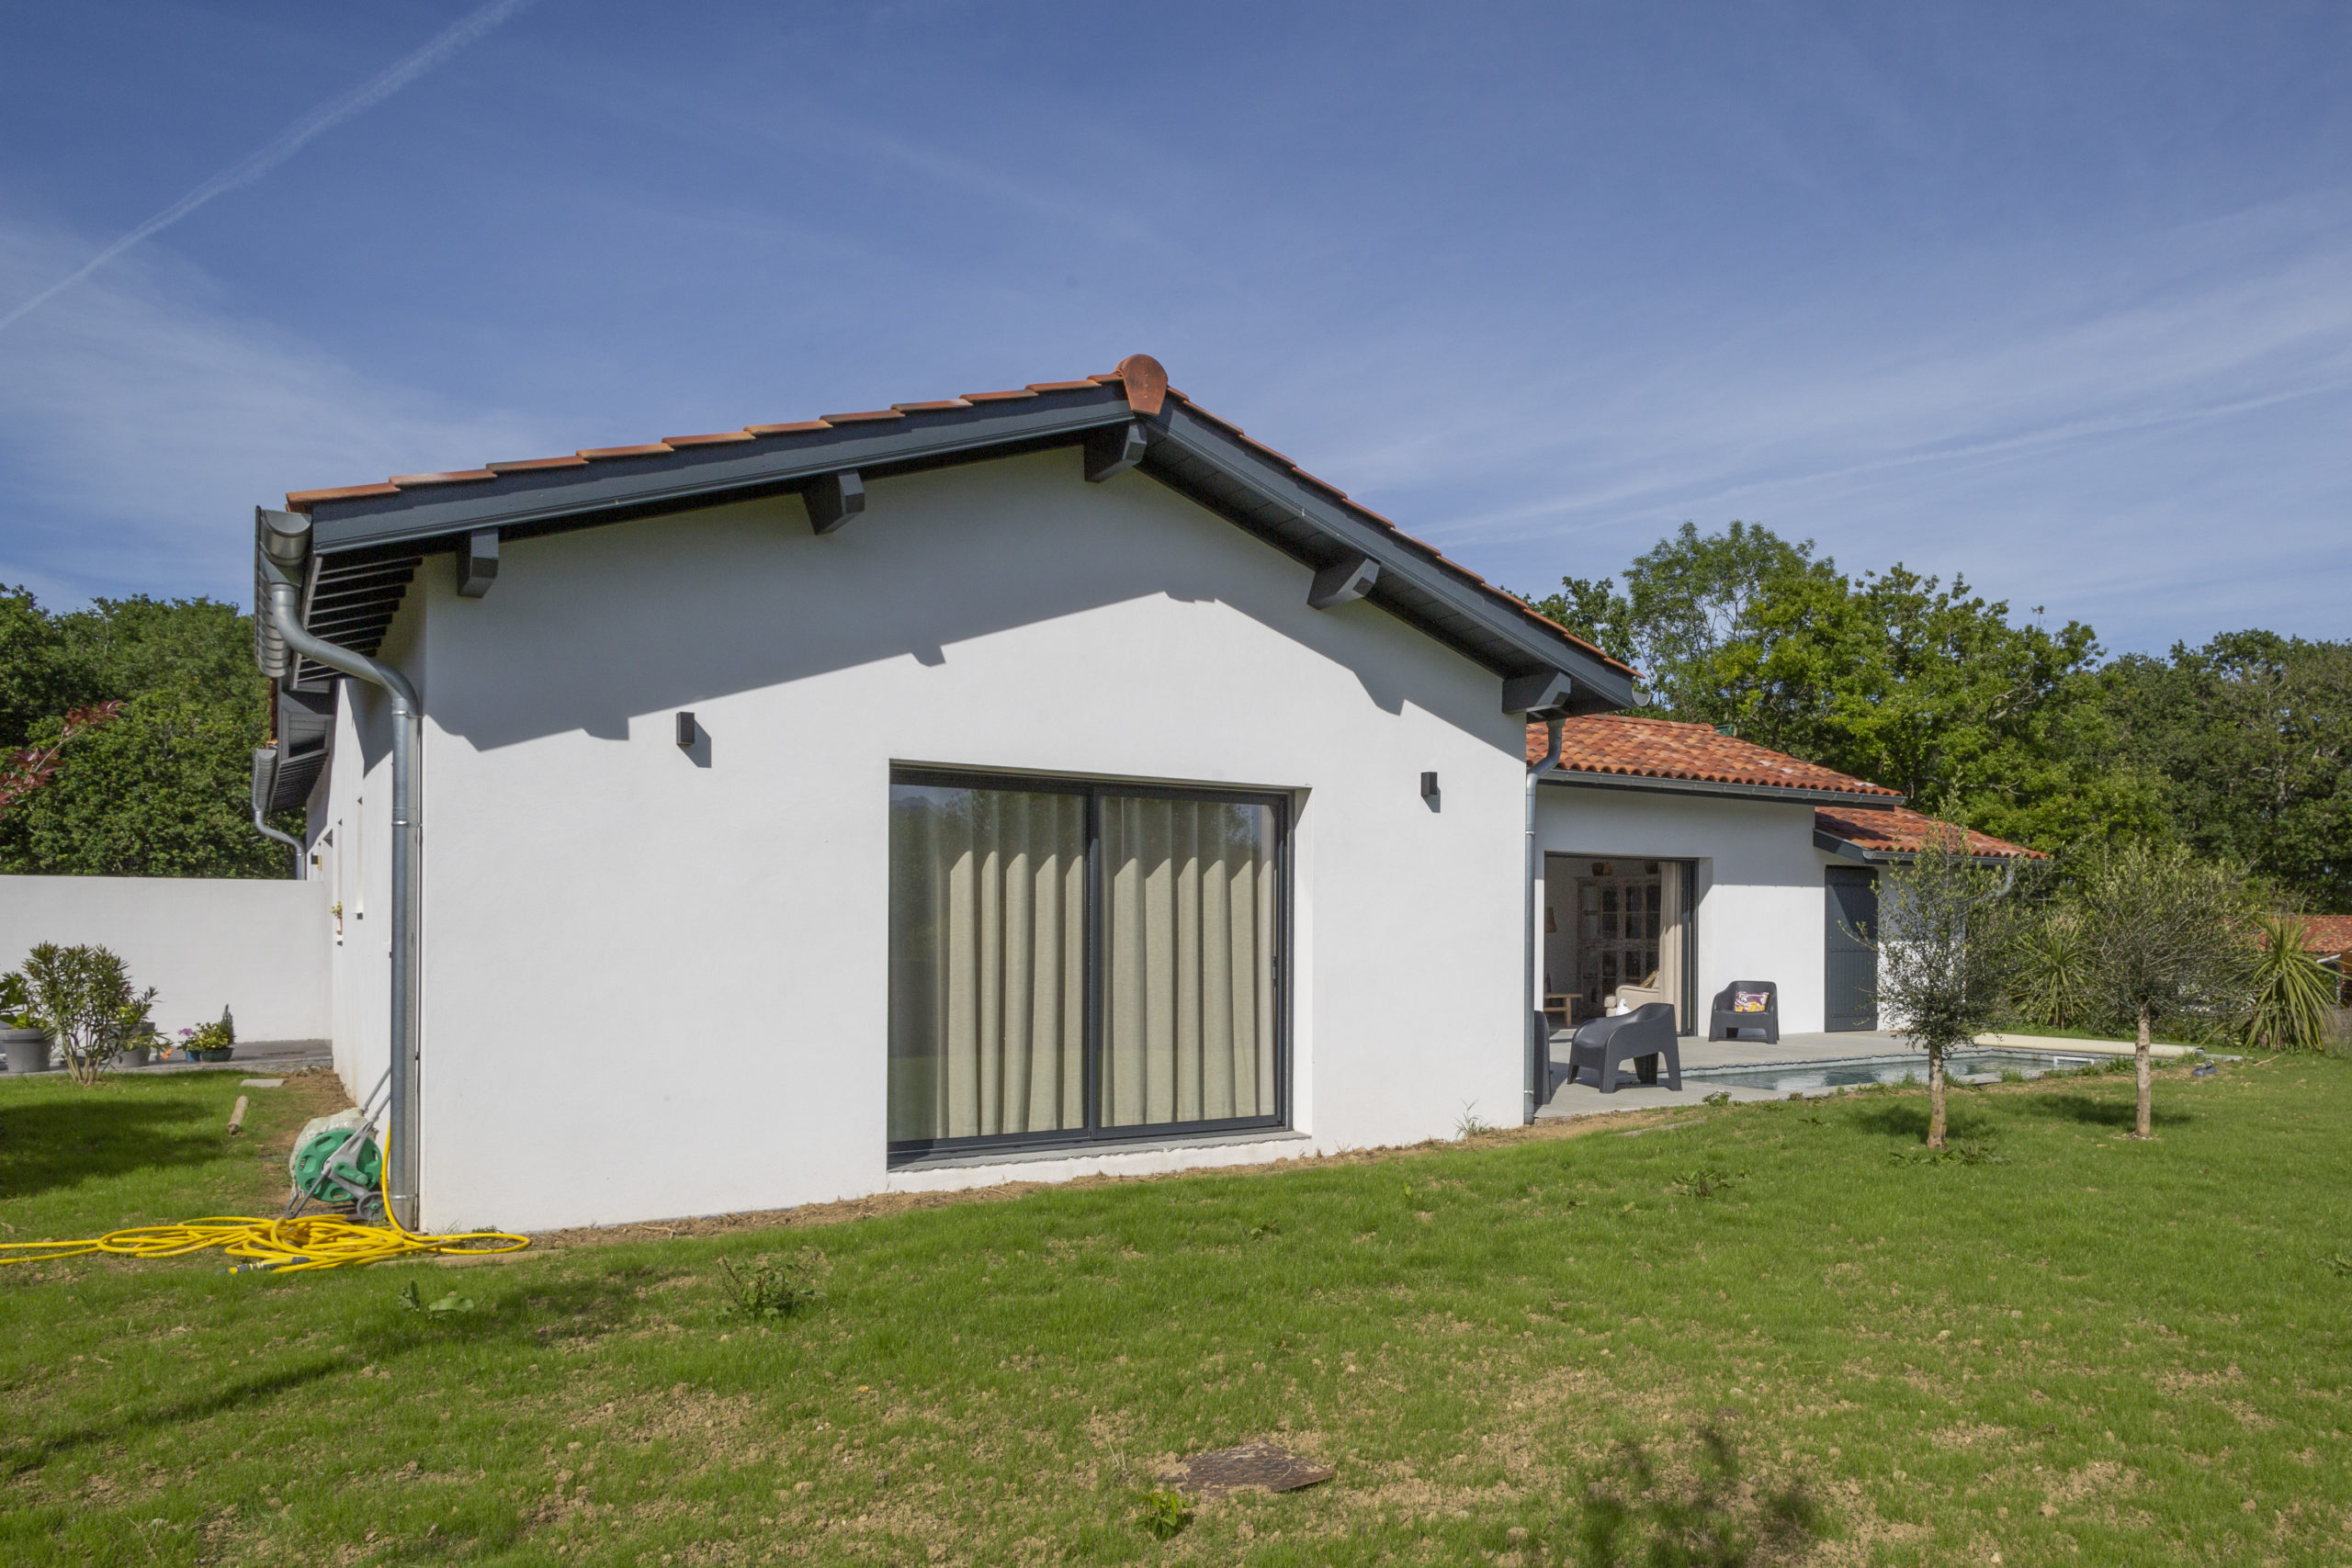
(1853, 967)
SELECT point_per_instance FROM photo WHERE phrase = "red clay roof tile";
(531, 465)
(1086, 386)
(455, 477)
(1902, 831)
(1668, 748)
(795, 428)
(870, 413)
(2327, 933)
(600, 453)
(302, 500)
(998, 397)
(714, 439)
(931, 408)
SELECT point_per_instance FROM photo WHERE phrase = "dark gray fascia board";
(611, 488)
(1399, 563)
(1578, 779)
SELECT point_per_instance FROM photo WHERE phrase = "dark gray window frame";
(1094, 1135)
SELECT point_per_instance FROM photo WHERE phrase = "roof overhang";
(366, 548)
(1845, 849)
(1720, 789)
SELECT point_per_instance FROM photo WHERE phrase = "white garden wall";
(259, 948)
(655, 980)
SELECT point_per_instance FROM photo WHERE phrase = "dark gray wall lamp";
(687, 731)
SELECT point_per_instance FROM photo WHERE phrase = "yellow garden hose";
(314, 1241)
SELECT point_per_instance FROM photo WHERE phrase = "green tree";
(2164, 937)
(2250, 740)
(1944, 947)
(161, 791)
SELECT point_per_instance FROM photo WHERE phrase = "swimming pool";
(1801, 1078)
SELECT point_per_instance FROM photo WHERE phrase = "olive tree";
(1945, 947)
(2165, 939)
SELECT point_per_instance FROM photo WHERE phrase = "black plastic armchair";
(1640, 1040)
(1727, 1023)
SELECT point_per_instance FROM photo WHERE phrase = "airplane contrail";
(289, 141)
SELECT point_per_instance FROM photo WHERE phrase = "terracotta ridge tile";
(453, 476)
(529, 465)
(998, 397)
(1062, 386)
(795, 428)
(302, 500)
(713, 439)
(599, 454)
(869, 413)
(932, 407)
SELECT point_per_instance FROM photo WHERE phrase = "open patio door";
(1617, 932)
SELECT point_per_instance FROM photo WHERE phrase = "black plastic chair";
(1727, 1024)
(1638, 1039)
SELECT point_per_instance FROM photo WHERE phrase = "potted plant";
(23, 1042)
(82, 998)
(214, 1041)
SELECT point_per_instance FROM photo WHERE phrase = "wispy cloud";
(287, 143)
(138, 430)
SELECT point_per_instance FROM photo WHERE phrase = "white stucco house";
(1005, 786)
(1677, 861)
(1008, 786)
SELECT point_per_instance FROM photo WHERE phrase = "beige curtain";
(1188, 961)
(1670, 944)
(987, 944)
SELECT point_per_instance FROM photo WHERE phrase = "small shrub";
(776, 1284)
(1163, 1513)
(2292, 996)
(81, 997)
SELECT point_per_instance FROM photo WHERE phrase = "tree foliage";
(1946, 949)
(2238, 748)
(161, 790)
(2164, 941)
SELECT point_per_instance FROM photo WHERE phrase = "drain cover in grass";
(1251, 1464)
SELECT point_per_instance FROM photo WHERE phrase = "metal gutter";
(1579, 778)
(1539, 1029)
(282, 554)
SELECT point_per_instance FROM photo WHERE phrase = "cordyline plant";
(1945, 944)
(2164, 941)
(2291, 995)
(21, 773)
(82, 1000)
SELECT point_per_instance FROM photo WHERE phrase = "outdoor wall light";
(1428, 786)
(687, 731)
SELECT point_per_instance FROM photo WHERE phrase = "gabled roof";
(1898, 833)
(366, 540)
(1620, 750)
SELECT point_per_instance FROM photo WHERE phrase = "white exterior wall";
(655, 982)
(204, 943)
(1760, 908)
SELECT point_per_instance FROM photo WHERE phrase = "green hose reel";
(337, 1164)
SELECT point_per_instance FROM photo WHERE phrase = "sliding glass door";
(1071, 963)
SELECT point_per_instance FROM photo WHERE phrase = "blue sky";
(2059, 296)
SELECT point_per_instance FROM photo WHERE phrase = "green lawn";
(1518, 1350)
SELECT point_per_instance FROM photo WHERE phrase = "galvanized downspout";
(1539, 1031)
(285, 548)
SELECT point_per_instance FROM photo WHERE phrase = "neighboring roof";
(1622, 752)
(2326, 934)
(368, 539)
(1900, 833)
